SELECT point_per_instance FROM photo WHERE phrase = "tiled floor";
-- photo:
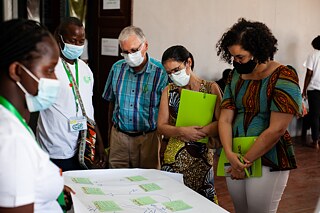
(303, 188)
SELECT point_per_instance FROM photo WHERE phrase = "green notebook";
(240, 145)
(196, 109)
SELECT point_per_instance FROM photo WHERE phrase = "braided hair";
(19, 41)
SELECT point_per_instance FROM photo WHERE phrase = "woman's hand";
(191, 133)
(67, 196)
(234, 161)
(236, 170)
(236, 174)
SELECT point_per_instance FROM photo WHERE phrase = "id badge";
(77, 123)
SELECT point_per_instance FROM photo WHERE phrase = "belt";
(132, 134)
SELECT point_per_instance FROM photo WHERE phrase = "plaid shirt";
(136, 96)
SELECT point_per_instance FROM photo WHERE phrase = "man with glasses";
(134, 89)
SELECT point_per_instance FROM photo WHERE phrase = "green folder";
(196, 109)
(240, 145)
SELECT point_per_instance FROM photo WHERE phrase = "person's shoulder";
(9, 120)
(213, 86)
(286, 69)
(83, 64)
(316, 53)
(12, 131)
(156, 64)
(286, 72)
(119, 63)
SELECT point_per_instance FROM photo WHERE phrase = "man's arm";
(306, 82)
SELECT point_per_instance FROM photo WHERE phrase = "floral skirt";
(195, 162)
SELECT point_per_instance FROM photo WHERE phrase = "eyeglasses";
(177, 70)
(132, 50)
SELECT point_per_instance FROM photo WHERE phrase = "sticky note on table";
(137, 178)
(107, 206)
(141, 201)
(81, 180)
(92, 191)
(177, 205)
(150, 187)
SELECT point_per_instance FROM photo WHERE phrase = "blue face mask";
(47, 92)
(71, 51)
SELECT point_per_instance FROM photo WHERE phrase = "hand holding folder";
(196, 109)
(240, 145)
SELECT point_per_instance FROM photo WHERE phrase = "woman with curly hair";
(261, 97)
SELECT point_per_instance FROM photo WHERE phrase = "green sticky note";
(92, 191)
(137, 178)
(177, 205)
(107, 206)
(141, 201)
(81, 180)
(150, 187)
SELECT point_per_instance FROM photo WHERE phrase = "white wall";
(199, 24)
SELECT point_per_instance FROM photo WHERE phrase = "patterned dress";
(192, 159)
(254, 100)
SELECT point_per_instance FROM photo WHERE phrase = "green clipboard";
(240, 145)
(196, 109)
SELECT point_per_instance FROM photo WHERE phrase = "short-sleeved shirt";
(136, 96)
(254, 100)
(313, 63)
(26, 173)
(53, 130)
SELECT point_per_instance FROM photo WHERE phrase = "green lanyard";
(4, 102)
(71, 82)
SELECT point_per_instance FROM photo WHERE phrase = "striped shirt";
(136, 96)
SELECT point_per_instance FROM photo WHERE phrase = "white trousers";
(258, 195)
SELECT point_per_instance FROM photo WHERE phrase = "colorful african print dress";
(192, 159)
(254, 100)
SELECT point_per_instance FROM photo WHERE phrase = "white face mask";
(181, 78)
(47, 93)
(133, 59)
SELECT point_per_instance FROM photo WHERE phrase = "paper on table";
(122, 191)
(196, 109)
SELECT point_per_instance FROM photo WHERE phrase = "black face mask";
(245, 68)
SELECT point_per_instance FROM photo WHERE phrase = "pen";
(245, 169)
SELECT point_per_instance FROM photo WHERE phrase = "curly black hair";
(316, 43)
(254, 37)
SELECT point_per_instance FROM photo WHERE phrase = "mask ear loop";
(21, 87)
(29, 72)
(64, 44)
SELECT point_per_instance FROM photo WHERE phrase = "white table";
(133, 190)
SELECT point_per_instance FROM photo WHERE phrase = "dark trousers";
(67, 164)
(314, 111)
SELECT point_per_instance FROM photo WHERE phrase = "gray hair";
(129, 31)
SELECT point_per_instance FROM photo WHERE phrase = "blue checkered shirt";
(136, 96)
